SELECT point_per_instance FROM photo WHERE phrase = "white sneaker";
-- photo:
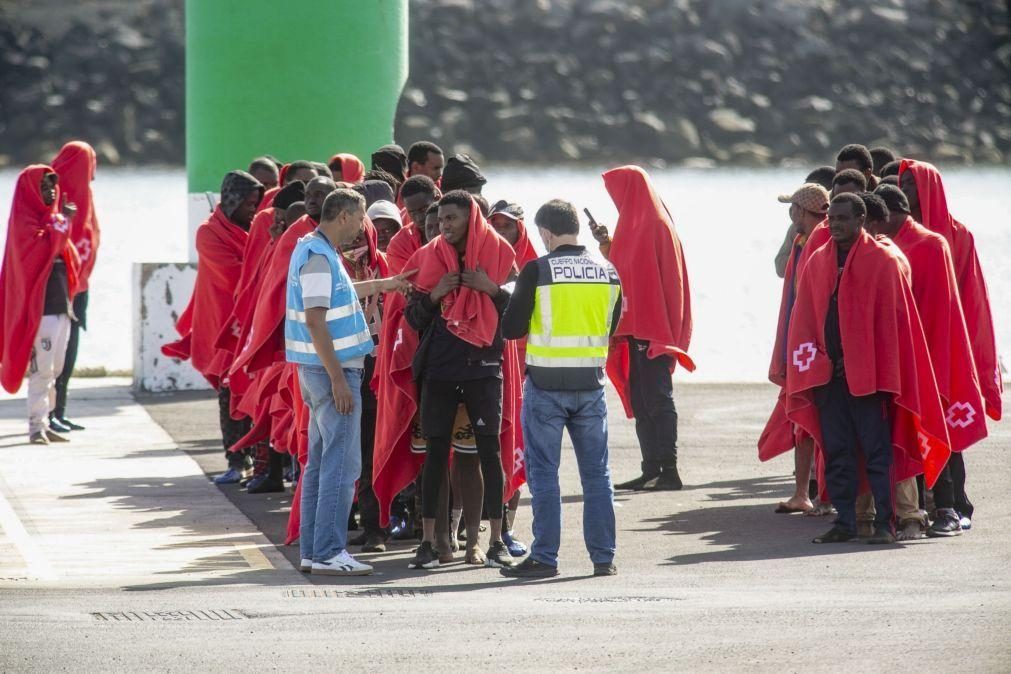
(341, 564)
(305, 565)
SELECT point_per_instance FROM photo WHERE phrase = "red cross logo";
(517, 460)
(924, 442)
(960, 415)
(804, 356)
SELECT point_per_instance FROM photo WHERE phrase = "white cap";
(385, 209)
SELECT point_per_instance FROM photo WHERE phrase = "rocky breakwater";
(111, 73)
(710, 81)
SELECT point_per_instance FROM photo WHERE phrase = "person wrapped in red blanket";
(364, 261)
(921, 183)
(858, 369)
(38, 282)
(808, 205)
(656, 321)
(75, 164)
(462, 357)
(346, 168)
(220, 243)
(936, 292)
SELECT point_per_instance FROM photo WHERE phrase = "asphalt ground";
(119, 554)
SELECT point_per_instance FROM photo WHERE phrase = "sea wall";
(702, 82)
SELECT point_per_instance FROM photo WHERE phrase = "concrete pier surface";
(117, 553)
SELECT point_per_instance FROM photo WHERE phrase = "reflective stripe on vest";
(338, 344)
(331, 314)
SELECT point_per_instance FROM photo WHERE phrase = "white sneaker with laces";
(341, 564)
(305, 565)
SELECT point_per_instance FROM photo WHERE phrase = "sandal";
(834, 535)
(821, 510)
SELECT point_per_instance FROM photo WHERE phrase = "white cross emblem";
(960, 415)
(399, 340)
(517, 460)
(924, 442)
(84, 249)
(804, 356)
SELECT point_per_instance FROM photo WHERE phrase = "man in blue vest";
(567, 305)
(325, 333)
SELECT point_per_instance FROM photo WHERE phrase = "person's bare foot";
(445, 549)
(795, 505)
(475, 555)
(911, 530)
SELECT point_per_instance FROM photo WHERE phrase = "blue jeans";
(584, 414)
(334, 464)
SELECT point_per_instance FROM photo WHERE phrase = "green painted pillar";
(298, 80)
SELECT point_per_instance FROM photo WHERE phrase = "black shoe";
(498, 556)
(374, 543)
(266, 486)
(359, 539)
(669, 480)
(68, 424)
(425, 557)
(882, 536)
(636, 484)
(58, 426)
(606, 569)
(945, 524)
(529, 568)
(835, 535)
(253, 482)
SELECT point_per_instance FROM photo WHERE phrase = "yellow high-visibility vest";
(571, 320)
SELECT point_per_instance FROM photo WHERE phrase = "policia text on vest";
(567, 305)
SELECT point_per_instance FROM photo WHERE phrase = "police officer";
(567, 305)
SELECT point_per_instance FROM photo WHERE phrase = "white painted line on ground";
(36, 562)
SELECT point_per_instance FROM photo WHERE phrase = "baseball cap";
(503, 207)
(809, 196)
(384, 209)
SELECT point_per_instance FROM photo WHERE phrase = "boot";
(649, 474)
(669, 480)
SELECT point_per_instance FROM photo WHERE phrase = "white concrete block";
(161, 292)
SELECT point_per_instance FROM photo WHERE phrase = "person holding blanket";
(462, 357)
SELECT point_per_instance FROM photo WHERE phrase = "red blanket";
(220, 245)
(246, 288)
(469, 314)
(936, 294)
(403, 245)
(646, 252)
(36, 234)
(882, 335)
(263, 344)
(268, 198)
(75, 164)
(524, 248)
(394, 465)
(968, 275)
(352, 170)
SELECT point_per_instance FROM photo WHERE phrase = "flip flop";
(784, 509)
